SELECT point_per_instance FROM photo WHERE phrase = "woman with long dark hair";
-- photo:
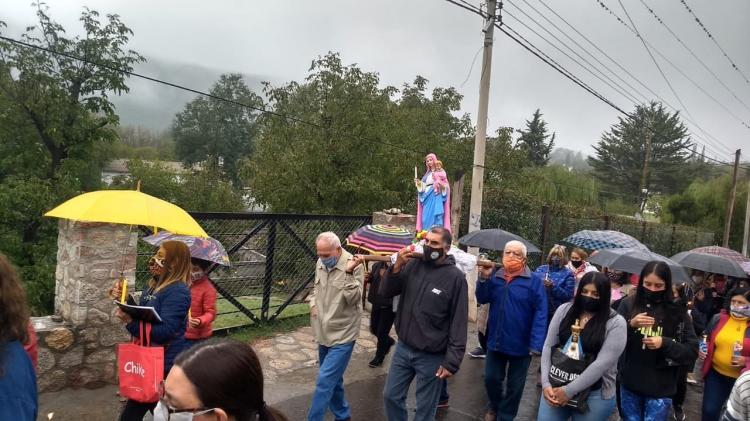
(169, 295)
(660, 340)
(727, 352)
(602, 341)
(220, 380)
(18, 394)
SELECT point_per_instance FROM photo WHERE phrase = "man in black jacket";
(431, 325)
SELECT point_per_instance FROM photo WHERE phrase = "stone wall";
(77, 345)
(401, 220)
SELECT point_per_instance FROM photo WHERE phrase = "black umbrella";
(633, 259)
(494, 239)
(710, 263)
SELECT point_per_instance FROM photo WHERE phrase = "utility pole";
(746, 232)
(477, 174)
(730, 203)
(646, 160)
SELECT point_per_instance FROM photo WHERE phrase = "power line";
(718, 143)
(705, 66)
(609, 82)
(711, 37)
(559, 68)
(620, 66)
(656, 63)
(206, 94)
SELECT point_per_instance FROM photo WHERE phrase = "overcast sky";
(276, 41)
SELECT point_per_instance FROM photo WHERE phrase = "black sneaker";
(443, 404)
(477, 352)
(376, 362)
(678, 413)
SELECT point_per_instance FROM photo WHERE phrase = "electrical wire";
(712, 38)
(703, 63)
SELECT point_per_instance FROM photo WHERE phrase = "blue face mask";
(555, 261)
(330, 262)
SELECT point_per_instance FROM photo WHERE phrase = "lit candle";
(415, 172)
(124, 290)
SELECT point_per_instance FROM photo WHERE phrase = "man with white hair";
(335, 308)
(516, 328)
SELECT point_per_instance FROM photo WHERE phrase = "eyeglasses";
(171, 414)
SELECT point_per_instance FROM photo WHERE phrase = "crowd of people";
(607, 341)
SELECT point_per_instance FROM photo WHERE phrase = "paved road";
(467, 398)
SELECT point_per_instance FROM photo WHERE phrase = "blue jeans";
(498, 366)
(640, 408)
(444, 396)
(406, 364)
(599, 410)
(329, 388)
(716, 395)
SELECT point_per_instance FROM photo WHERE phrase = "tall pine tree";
(621, 152)
(533, 141)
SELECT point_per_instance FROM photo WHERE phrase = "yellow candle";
(124, 290)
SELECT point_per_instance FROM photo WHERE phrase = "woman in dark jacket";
(660, 340)
(169, 295)
(381, 319)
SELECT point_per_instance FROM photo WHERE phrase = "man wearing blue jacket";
(516, 328)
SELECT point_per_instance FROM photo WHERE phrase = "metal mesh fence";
(272, 259)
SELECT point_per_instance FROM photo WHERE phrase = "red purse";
(140, 367)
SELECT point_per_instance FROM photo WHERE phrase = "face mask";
(432, 254)
(194, 276)
(613, 277)
(680, 302)
(330, 262)
(512, 264)
(740, 312)
(590, 304)
(653, 297)
(576, 263)
(555, 261)
(161, 413)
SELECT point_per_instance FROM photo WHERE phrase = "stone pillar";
(401, 220)
(80, 349)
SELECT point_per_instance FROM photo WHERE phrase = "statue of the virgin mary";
(433, 196)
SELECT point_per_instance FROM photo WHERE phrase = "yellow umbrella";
(128, 207)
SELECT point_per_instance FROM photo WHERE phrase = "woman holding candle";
(660, 339)
(602, 340)
(169, 295)
(728, 354)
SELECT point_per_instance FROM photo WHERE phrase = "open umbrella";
(709, 263)
(723, 252)
(380, 239)
(208, 249)
(633, 259)
(129, 207)
(495, 239)
(602, 239)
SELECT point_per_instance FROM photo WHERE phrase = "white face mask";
(196, 275)
(161, 413)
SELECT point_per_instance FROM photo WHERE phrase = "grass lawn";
(293, 317)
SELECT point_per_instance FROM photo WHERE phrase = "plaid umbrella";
(633, 259)
(602, 239)
(380, 239)
(723, 252)
(709, 263)
(208, 249)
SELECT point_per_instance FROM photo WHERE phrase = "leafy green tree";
(56, 121)
(200, 190)
(217, 132)
(361, 154)
(533, 140)
(704, 203)
(621, 151)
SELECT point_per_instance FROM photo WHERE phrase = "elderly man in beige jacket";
(335, 308)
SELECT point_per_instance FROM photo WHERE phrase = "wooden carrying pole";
(373, 258)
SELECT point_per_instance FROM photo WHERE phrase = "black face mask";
(576, 263)
(590, 304)
(680, 302)
(432, 254)
(653, 297)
